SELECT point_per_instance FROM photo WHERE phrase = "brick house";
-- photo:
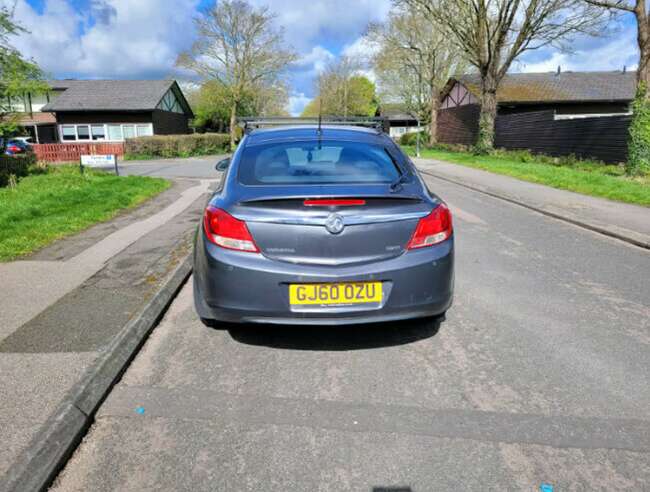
(104, 110)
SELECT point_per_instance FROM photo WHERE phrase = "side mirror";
(222, 165)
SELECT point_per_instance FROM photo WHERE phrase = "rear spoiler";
(380, 124)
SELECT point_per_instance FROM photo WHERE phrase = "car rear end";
(323, 229)
(17, 147)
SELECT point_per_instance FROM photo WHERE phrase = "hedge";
(412, 137)
(16, 165)
(176, 145)
(638, 162)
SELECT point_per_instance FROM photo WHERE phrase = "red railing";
(61, 152)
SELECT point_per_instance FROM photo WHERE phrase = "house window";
(115, 132)
(111, 132)
(98, 132)
(68, 132)
(144, 130)
(83, 132)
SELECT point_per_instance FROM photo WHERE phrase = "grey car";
(322, 225)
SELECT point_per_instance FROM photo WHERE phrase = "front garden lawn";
(61, 202)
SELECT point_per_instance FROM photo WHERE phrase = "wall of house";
(169, 123)
(458, 125)
(70, 117)
(602, 138)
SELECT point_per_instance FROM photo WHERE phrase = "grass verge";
(588, 178)
(61, 202)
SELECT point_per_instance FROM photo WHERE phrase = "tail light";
(14, 148)
(224, 230)
(334, 202)
(432, 229)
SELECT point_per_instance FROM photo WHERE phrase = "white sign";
(98, 160)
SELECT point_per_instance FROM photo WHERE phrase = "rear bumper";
(250, 288)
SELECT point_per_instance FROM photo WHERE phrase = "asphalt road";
(538, 376)
(193, 167)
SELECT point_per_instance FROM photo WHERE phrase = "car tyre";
(210, 323)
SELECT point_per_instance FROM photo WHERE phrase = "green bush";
(176, 145)
(638, 161)
(412, 138)
(19, 166)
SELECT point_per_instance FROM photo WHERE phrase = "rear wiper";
(397, 184)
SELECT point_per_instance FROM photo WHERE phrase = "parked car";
(322, 226)
(16, 146)
(27, 140)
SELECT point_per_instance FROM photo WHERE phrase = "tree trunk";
(233, 125)
(488, 114)
(643, 37)
(433, 125)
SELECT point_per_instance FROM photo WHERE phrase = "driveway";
(538, 376)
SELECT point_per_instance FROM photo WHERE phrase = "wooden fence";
(602, 138)
(62, 152)
(458, 125)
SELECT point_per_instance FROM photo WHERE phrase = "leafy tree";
(638, 161)
(342, 91)
(211, 104)
(414, 61)
(493, 33)
(239, 48)
(640, 11)
(639, 145)
(18, 75)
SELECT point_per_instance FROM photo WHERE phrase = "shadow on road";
(350, 337)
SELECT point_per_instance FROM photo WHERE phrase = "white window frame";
(106, 125)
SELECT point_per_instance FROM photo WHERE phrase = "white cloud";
(307, 22)
(113, 38)
(361, 49)
(297, 103)
(612, 55)
(316, 60)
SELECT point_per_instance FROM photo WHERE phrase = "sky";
(140, 39)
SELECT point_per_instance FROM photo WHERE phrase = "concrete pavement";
(622, 220)
(538, 376)
(62, 306)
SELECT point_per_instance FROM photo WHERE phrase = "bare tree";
(493, 33)
(239, 47)
(414, 61)
(639, 9)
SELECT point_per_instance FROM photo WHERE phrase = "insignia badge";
(334, 224)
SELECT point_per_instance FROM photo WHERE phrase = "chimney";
(559, 70)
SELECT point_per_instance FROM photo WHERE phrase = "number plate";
(335, 294)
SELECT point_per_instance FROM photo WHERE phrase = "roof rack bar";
(250, 123)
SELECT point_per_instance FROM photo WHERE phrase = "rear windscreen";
(316, 163)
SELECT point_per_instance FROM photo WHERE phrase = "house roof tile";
(109, 95)
(563, 87)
